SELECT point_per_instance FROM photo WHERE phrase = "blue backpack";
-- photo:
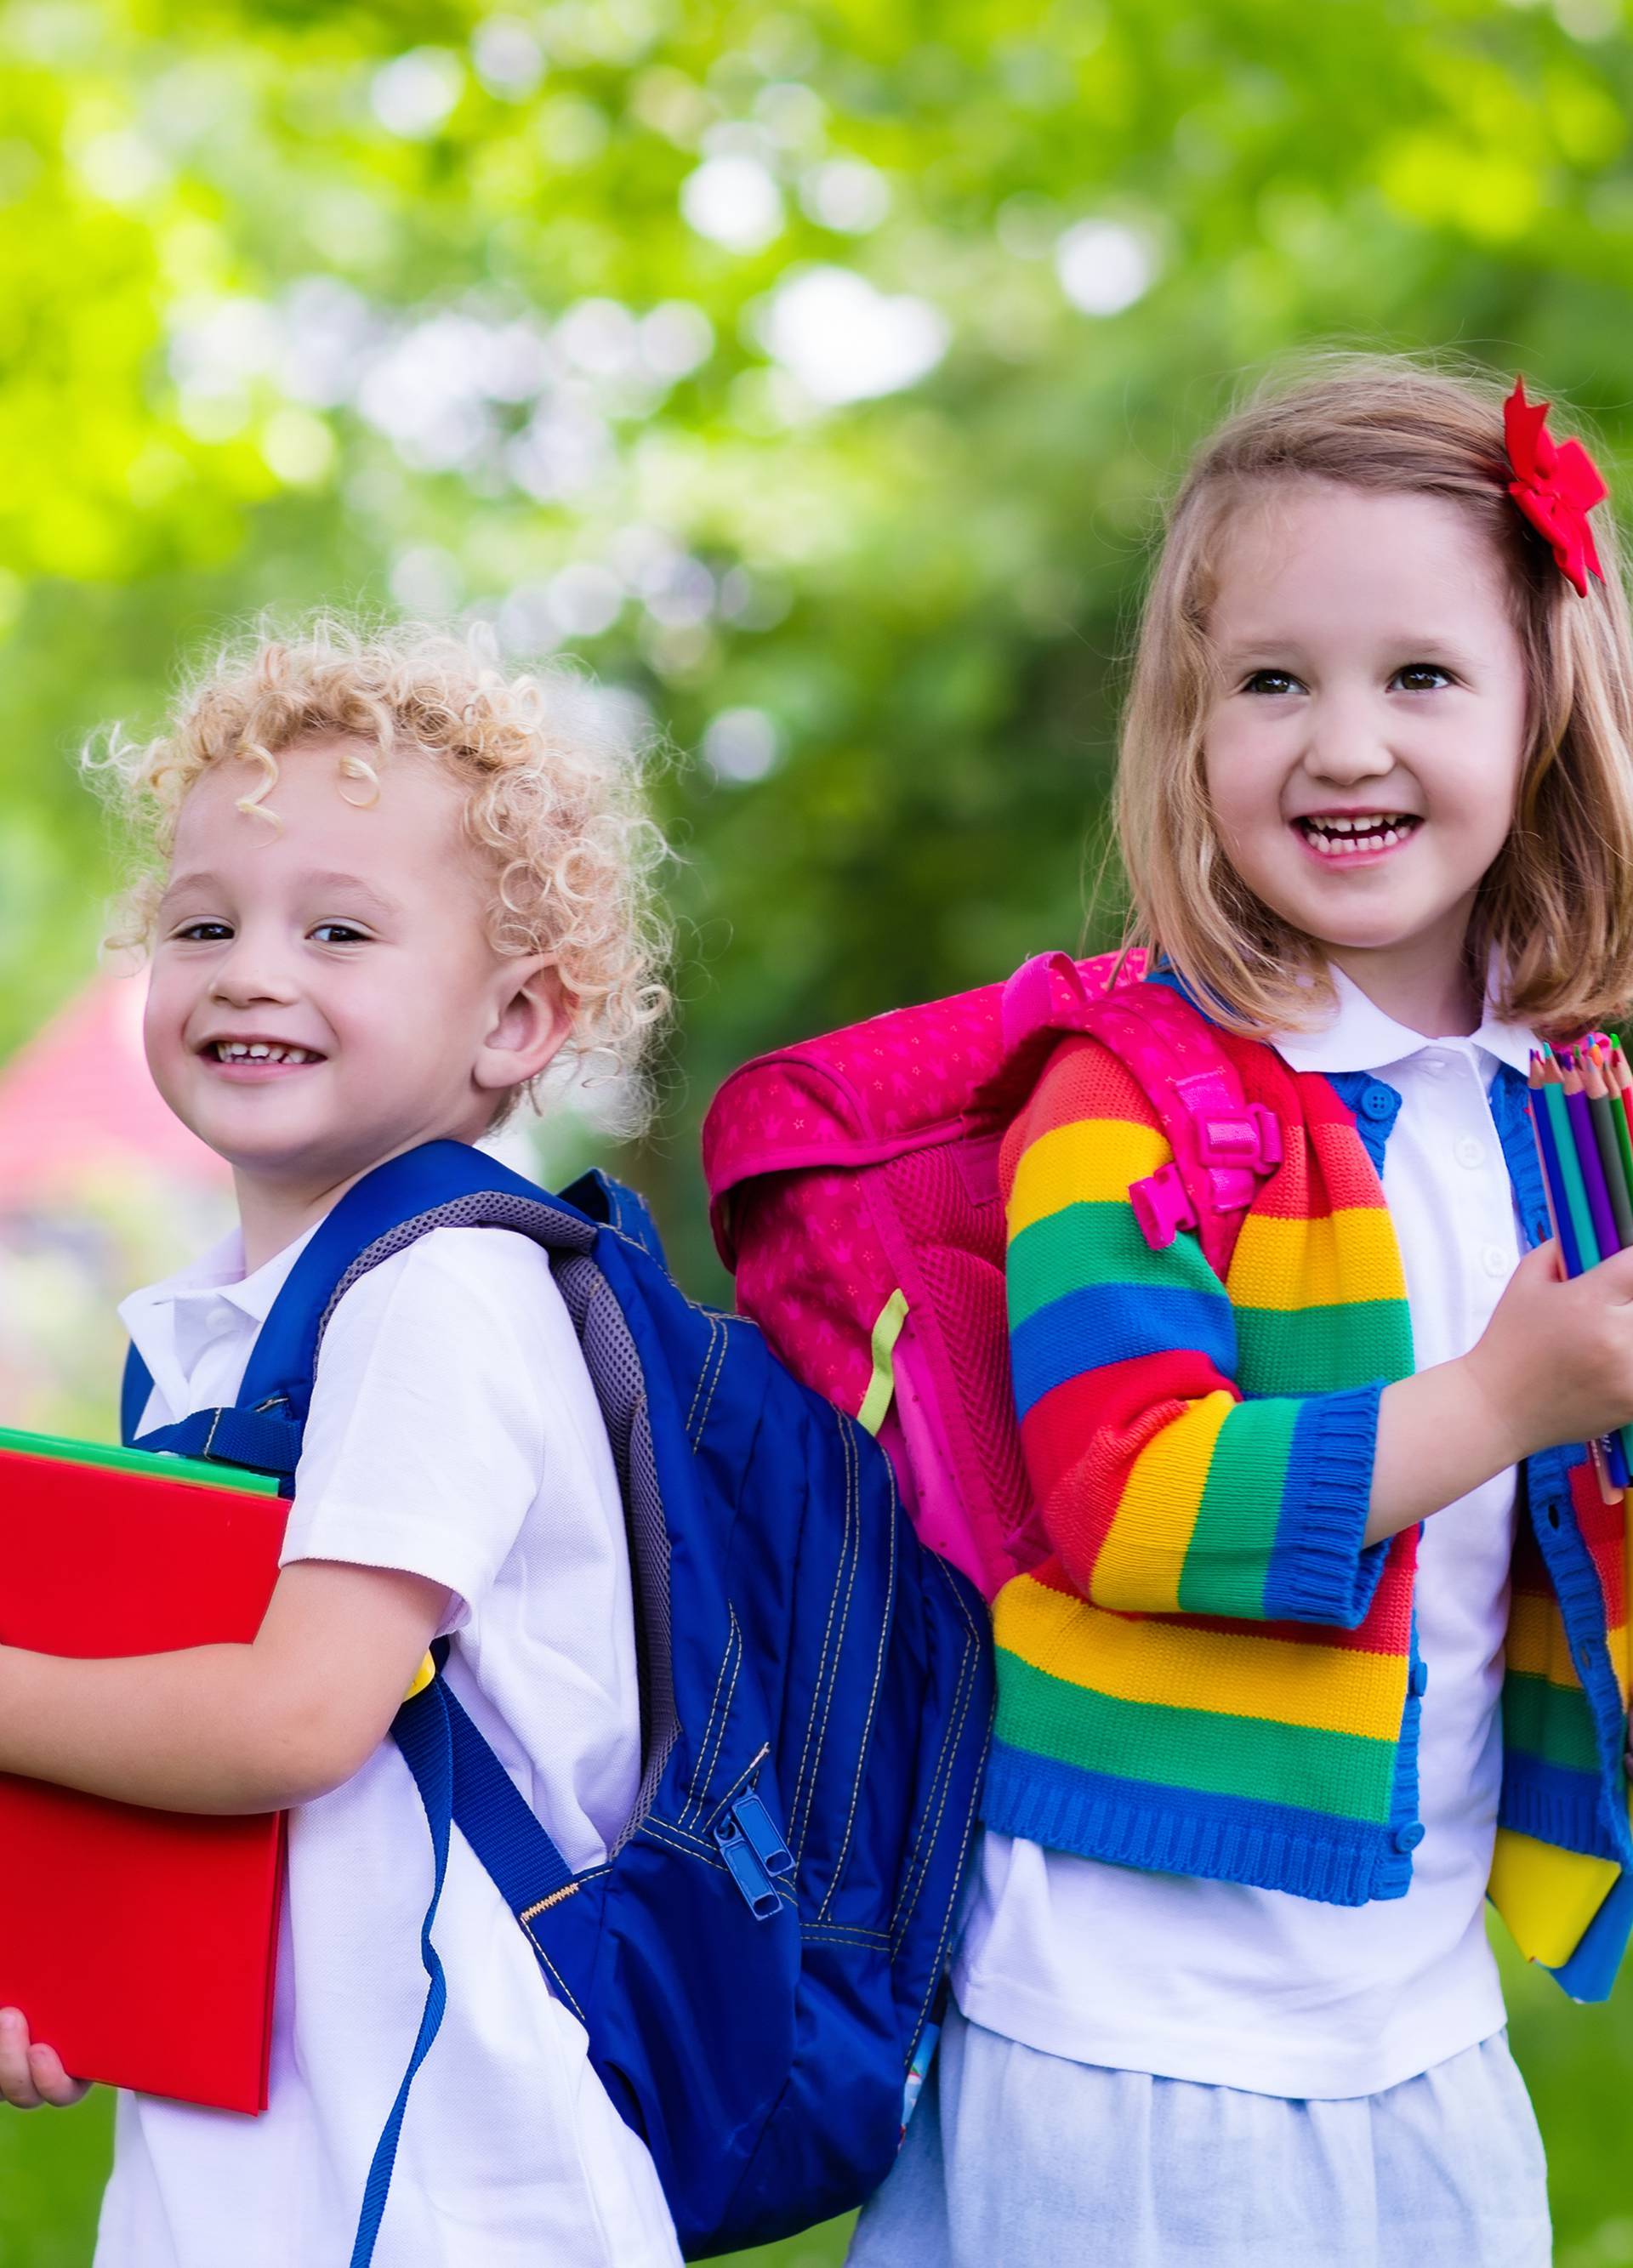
(758, 1960)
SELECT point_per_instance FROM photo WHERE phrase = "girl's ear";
(529, 1025)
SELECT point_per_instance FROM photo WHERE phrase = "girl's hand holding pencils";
(1554, 1363)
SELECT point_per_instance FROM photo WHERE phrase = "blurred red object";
(79, 1098)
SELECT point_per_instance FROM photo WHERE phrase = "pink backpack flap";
(854, 1185)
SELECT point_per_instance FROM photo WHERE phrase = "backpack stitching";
(562, 1986)
(725, 1719)
(924, 1833)
(822, 1663)
(703, 1370)
(701, 1766)
(715, 1723)
(713, 1367)
(853, 1529)
(744, 1776)
(865, 1743)
(954, 1904)
(967, 1681)
(719, 1372)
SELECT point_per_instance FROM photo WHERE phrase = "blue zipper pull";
(746, 1871)
(767, 1845)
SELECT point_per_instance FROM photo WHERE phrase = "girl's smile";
(1355, 838)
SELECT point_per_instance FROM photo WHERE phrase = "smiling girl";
(1225, 1997)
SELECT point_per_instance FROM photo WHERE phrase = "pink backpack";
(854, 1187)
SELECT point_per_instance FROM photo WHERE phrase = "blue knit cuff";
(1319, 1570)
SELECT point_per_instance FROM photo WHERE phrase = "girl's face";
(1362, 757)
(351, 943)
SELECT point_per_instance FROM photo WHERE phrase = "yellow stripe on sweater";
(1140, 1560)
(1536, 1645)
(1333, 1689)
(1351, 1255)
(1092, 1162)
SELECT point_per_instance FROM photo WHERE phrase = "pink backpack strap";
(1224, 1145)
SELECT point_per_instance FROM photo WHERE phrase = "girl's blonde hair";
(553, 801)
(1553, 916)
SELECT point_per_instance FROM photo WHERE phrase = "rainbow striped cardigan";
(1212, 1675)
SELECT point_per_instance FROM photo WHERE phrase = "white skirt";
(1018, 2160)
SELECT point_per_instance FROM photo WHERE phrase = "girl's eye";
(1417, 676)
(1271, 682)
(193, 934)
(347, 934)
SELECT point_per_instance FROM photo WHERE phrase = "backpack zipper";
(755, 1854)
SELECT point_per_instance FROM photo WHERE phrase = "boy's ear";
(531, 1023)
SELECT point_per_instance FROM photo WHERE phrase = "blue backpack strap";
(430, 1753)
(135, 1389)
(459, 1779)
(379, 1215)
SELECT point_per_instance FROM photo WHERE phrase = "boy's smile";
(1363, 752)
(325, 995)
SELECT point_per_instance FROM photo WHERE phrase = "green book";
(134, 1461)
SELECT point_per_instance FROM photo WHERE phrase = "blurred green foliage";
(418, 306)
(811, 370)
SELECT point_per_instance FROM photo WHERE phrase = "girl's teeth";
(1340, 837)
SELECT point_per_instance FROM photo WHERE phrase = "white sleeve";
(433, 1410)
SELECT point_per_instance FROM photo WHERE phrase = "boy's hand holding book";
(30, 2074)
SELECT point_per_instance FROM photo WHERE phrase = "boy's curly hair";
(554, 801)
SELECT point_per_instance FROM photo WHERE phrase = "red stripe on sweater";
(1387, 1628)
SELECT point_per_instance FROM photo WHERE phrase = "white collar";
(171, 1322)
(1359, 1036)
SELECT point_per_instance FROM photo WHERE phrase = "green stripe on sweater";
(1551, 1721)
(1231, 1546)
(1322, 1349)
(1085, 1244)
(1342, 1774)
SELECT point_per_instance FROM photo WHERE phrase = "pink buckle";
(1162, 1206)
(1252, 1142)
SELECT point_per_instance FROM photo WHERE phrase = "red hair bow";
(1555, 485)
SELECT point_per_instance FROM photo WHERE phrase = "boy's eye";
(1271, 682)
(346, 934)
(1421, 677)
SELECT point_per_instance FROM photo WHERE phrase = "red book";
(139, 1944)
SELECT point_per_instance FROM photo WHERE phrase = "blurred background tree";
(812, 372)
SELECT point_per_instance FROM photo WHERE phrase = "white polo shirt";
(1240, 1987)
(454, 1432)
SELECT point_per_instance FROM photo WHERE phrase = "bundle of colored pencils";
(1582, 1114)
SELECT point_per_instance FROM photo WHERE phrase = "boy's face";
(352, 942)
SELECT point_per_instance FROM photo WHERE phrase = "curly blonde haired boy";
(393, 885)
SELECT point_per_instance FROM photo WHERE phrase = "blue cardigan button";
(1379, 1102)
(1407, 1839)
(1417, 1677)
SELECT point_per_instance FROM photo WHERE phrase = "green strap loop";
(882, 1385)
